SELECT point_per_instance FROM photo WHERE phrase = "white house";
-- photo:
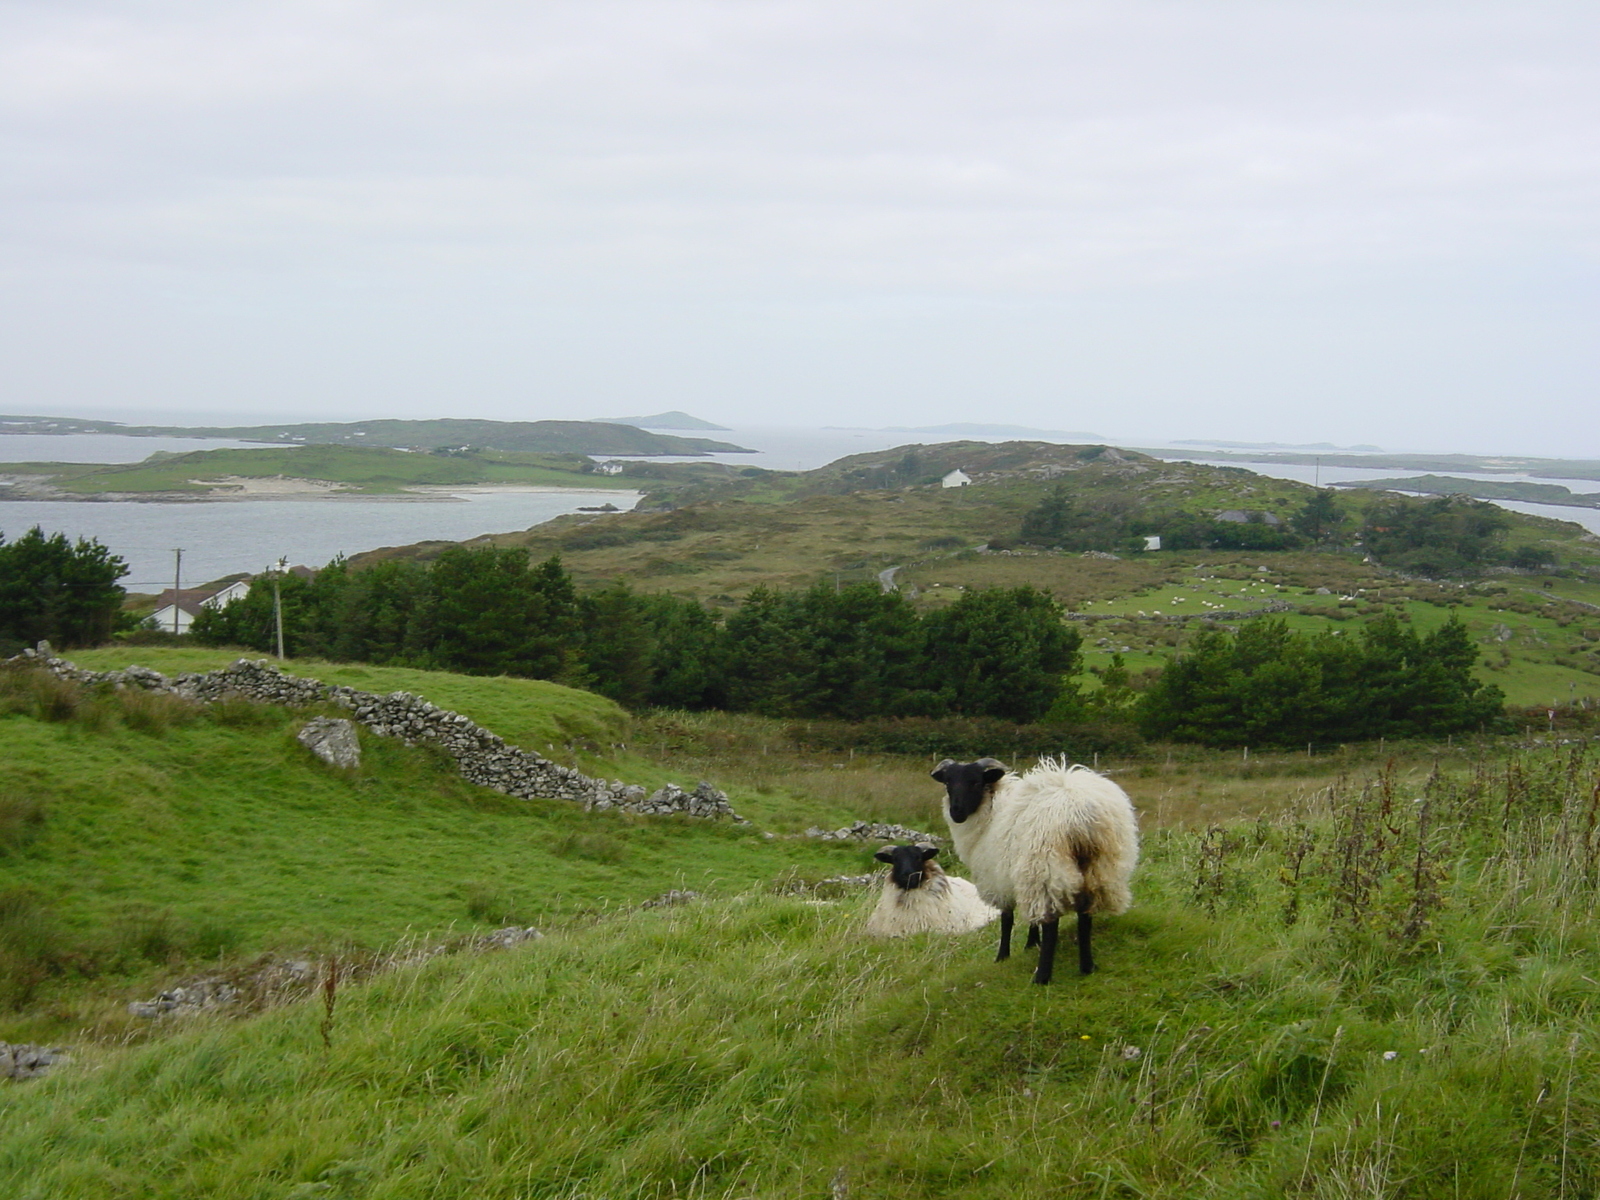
(608, 468)
(183, 606)
(956, 478)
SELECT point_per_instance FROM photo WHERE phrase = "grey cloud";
(1168, 206)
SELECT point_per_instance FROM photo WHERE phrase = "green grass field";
(1385, 990)
(139, 832)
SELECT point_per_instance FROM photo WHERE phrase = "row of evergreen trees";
(849, 652)
(1266, 686)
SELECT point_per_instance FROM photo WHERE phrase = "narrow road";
(886, 579)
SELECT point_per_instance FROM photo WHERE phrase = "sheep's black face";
(907, 864)
(967, 784)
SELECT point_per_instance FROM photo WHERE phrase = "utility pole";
(177, 584)
(277, 600)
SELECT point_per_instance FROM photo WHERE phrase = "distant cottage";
(608, 468)
(956, 478)
(176, 610)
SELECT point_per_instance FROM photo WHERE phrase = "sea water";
(231, 536)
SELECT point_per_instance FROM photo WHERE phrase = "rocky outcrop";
(333, 740)
(483, 757)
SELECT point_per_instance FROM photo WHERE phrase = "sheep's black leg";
(1085, 929)
(1006, 917)
(1033, 937)
(1047, 950)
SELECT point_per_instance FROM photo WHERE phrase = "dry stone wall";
(483, 757)
(873, 831)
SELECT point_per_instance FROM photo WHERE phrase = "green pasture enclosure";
(1391, 994)
(138, 843)
(533, 713)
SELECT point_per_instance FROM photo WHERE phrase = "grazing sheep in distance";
(1058, 839)
(918, 897)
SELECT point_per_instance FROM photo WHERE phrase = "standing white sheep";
(1058, 839)
(918, 897)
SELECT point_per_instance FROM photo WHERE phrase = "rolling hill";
(885, 516)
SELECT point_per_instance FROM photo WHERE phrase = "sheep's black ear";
(928, 852)
(993, 769)
(885, 855)
(938, 772)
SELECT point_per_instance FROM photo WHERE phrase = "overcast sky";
(1297, 220)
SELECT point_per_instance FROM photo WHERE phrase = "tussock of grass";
(21, 818)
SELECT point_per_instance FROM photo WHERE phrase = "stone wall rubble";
(27, 1062)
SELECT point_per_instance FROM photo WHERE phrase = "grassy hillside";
(139, 833)
(858, 516)
(1388, 994)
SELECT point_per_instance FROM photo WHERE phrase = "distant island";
(1478, 464)
(299, 473)
(666, 420)
(1479, 489)
(1274, 445)
(541, 437)
(967, 429)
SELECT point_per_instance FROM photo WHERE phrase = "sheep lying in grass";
(1058, 839)
(918, 897)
